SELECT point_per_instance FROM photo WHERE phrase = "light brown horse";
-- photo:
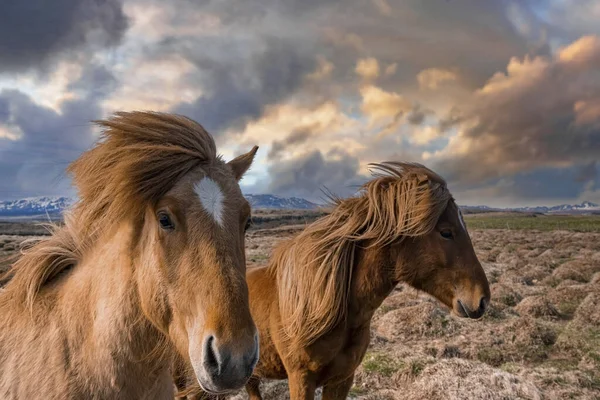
(313, 304)
(150, 263)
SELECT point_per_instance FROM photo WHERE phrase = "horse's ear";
(241, 164)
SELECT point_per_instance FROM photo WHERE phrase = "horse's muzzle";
(224, 368)
(463, 309)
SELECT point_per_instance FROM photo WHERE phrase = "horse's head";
(443, 263)
(192, 281)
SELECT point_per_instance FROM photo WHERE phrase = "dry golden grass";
(539, 340)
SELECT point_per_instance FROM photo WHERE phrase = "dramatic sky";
(502, 98)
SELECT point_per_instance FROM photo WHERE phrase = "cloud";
(367, 68)
(298, 136)
(587, 112)
(587, 172)
(540, 113)
(388, 111)
(323, 71)
(328, 124)
(309, 174)
(35, 33)
(34, 164)
(235, 92)
(383, 7)
(378, 104)
(423, 135)
(583, 52)
(46, 140)
(10, 132)
(166, 76)
(391, 69)
(418, 115)
(574, 18)
(432, 78)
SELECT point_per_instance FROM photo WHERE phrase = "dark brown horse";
(313, 304)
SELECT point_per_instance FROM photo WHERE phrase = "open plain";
(540, 338)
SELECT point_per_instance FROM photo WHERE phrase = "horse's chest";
(343, 364)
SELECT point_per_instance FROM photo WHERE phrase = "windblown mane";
(314, 270)
(138, 159)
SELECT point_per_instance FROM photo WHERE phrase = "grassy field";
(268, 219)
(540, 338)
(576, 223)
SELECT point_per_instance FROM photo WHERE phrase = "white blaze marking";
(211, 197)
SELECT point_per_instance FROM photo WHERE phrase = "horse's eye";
(446, 234)
(165, 221)
(248, 224)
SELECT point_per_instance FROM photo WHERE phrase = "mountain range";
(35, 206)
(54, 206)
(586, 206)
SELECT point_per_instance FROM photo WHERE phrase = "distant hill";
(54, 206)
(477, 209)
(585, 207)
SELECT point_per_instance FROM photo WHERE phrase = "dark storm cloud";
(418, 115)
(541, 186)
(237, 91)
(35, 32)
(256, 11)
(96, 82)
(34, 164)
(298, 136)
(336, 172)
(587, 172)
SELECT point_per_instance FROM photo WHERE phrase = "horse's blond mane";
(314, 270)
(138, 159)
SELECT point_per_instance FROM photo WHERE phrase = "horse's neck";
(372, 282)
(102, 292)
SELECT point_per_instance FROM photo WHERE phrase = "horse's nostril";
(482, 305)
(211, 359)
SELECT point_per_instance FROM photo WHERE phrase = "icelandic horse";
(149, 264)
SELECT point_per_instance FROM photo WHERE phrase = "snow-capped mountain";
(278, 202)
(585, 207)
(568, 208)
(53, 206)
(32, 206)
